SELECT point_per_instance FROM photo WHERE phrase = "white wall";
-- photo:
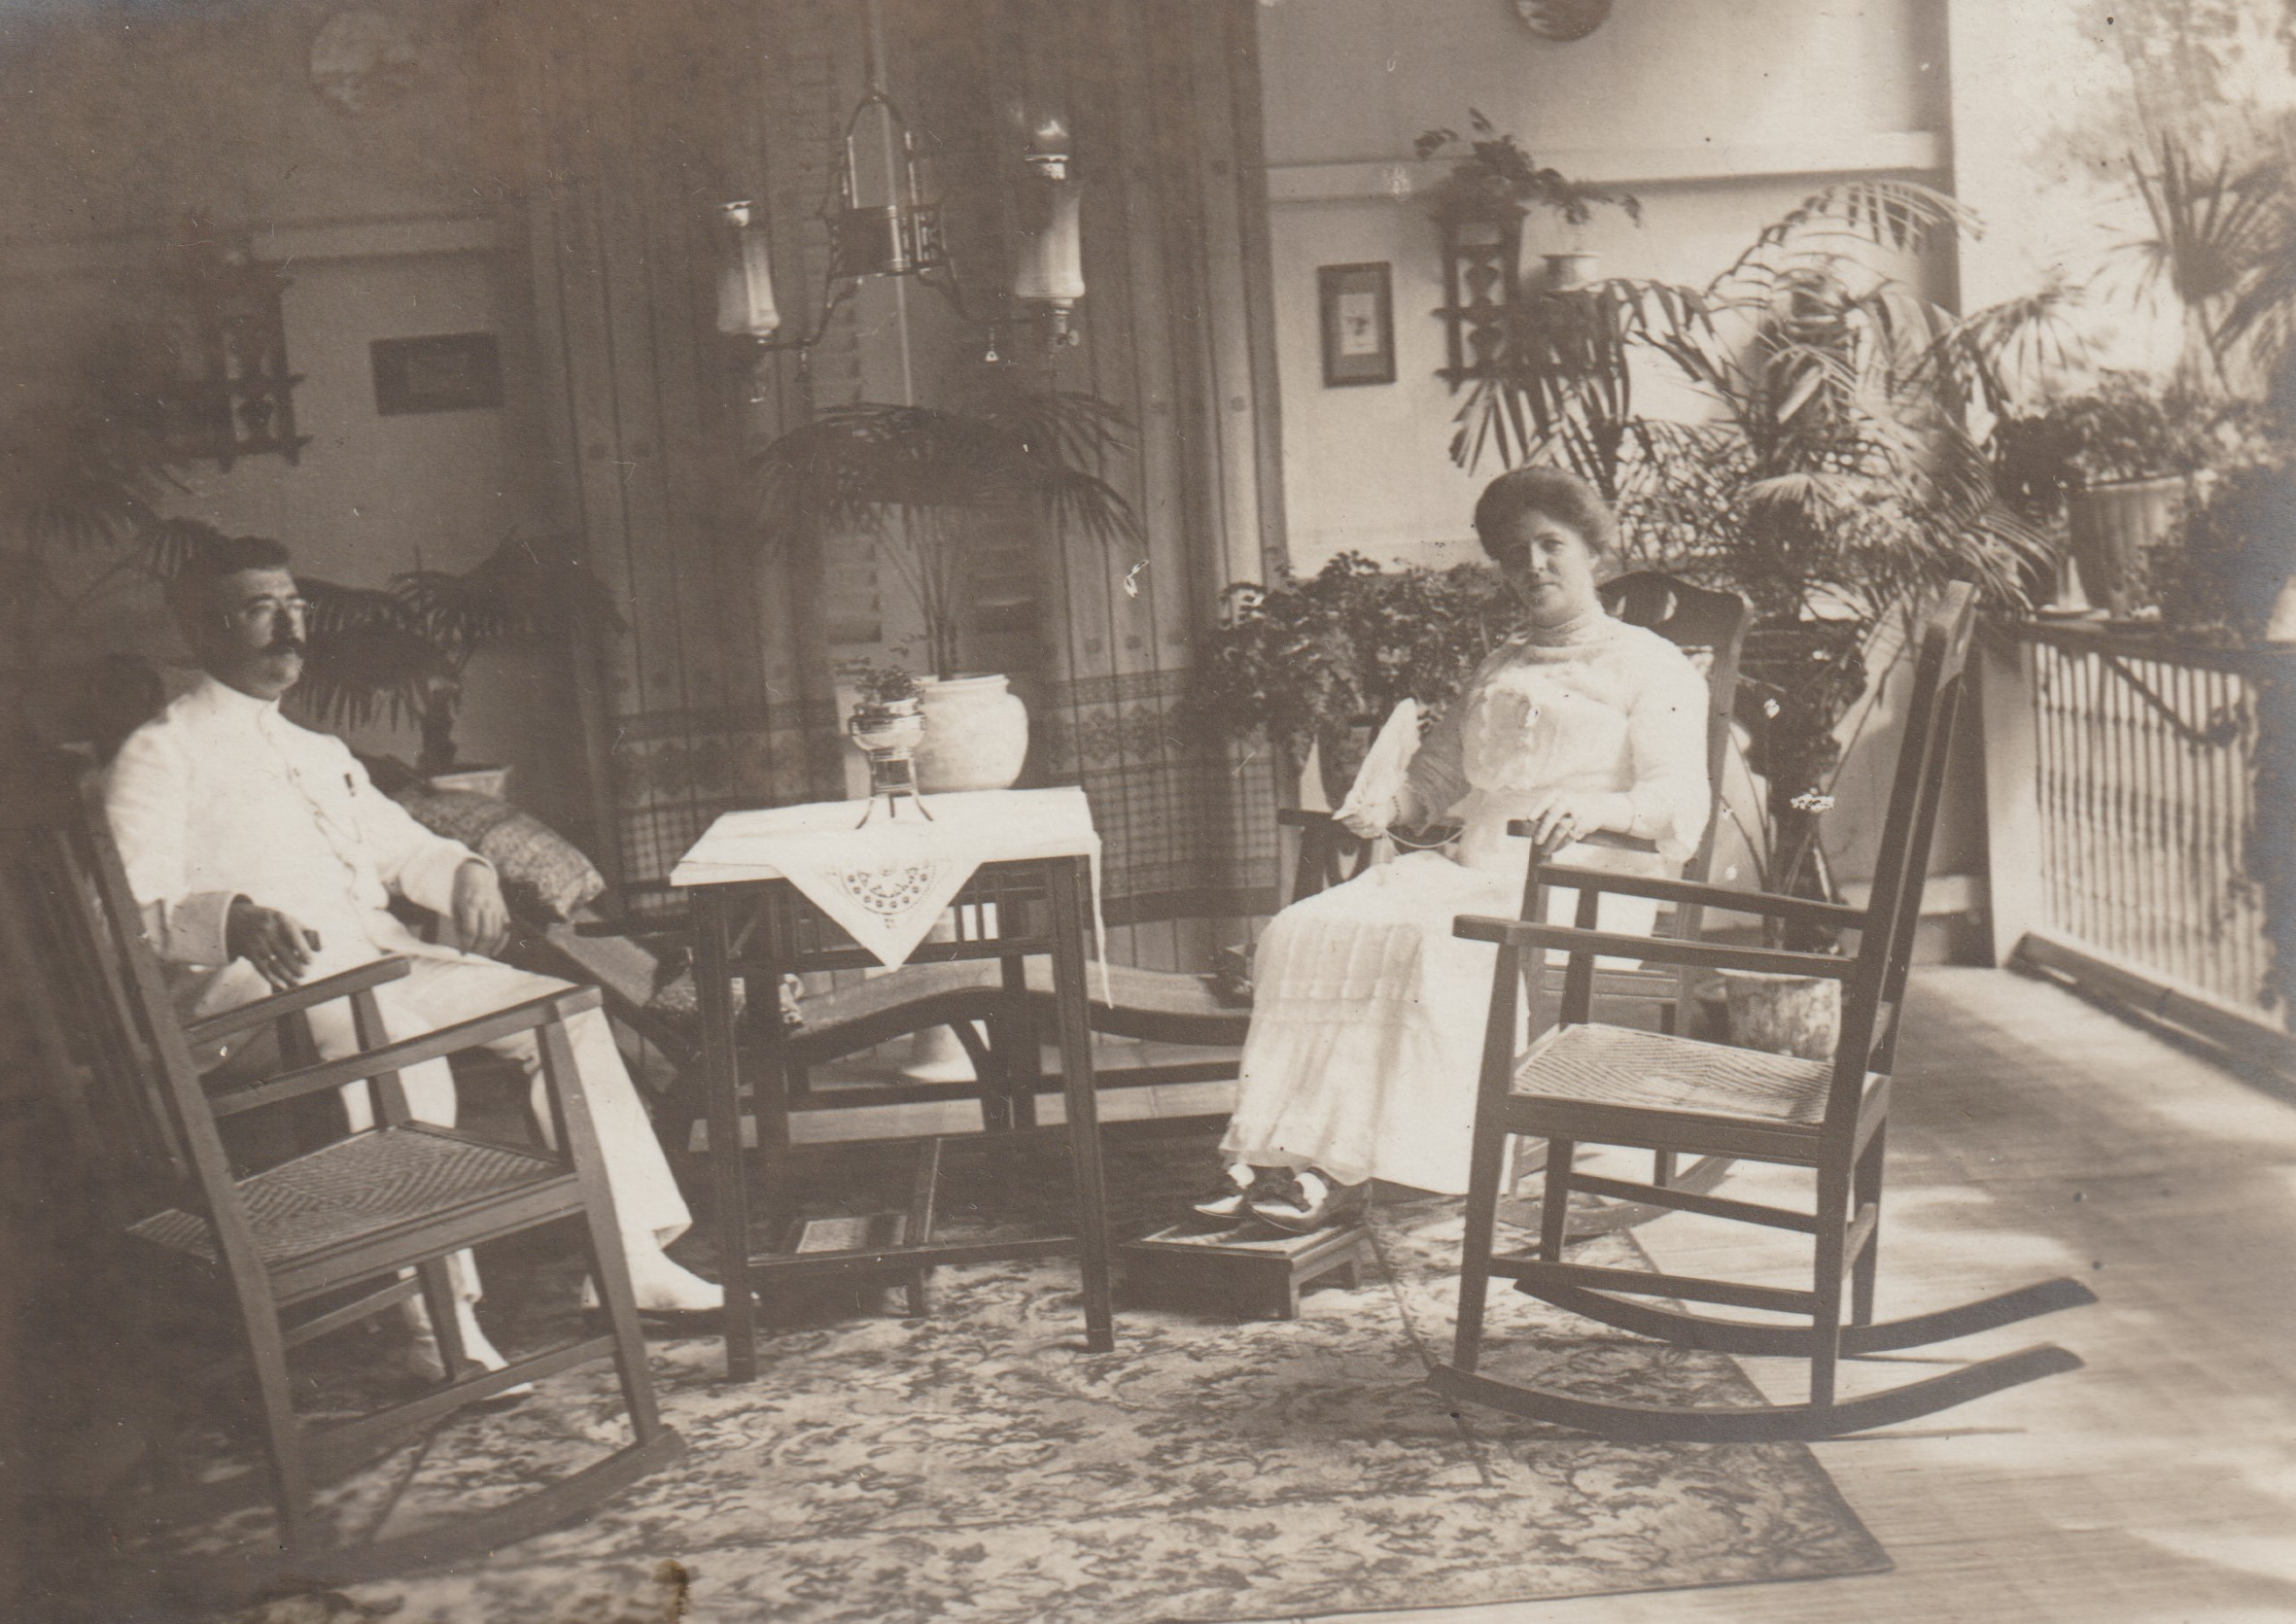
(1719, 117)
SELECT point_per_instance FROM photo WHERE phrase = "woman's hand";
(1371, 823)
(1560, 817)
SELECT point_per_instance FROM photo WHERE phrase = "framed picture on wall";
(450, 372)
(1358, 303)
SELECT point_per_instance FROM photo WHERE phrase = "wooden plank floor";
(2037, 1135)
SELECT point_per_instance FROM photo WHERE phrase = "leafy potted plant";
(1494, 180)
(922, 483)
(1315, 662)
(2116, 464)
(888, 707)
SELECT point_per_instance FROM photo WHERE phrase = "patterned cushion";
(545, 878)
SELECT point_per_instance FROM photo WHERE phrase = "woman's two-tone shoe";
(1303, 1202)
(1228, 1203)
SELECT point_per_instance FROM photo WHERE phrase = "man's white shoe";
(662, 1287)
(425, 1360)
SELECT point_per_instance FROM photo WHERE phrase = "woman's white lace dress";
(1368, 1012)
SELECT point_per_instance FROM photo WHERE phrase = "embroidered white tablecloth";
(888, 882)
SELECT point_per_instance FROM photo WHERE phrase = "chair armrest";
(1522, 828)
(628, 924)
(411, 1051)
(1426, 835)
(1665, 949)
(247, 1017)
(1808, 909)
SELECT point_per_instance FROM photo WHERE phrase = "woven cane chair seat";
(1595, 1064)
(357, 1187)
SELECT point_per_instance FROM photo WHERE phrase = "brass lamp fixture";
(885, 221)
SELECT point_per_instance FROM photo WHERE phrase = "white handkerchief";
(1377, 791)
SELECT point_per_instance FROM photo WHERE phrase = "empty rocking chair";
(1588, 1083)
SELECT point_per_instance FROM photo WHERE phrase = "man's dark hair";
(202, 555)
(1557, 492)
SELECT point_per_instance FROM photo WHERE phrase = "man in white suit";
(262, 855)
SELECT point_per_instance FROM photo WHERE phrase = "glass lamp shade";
(746, 306)
(1048, 147)
(1049, 266)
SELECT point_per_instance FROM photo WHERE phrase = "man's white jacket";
(220, 796)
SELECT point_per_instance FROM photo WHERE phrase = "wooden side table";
(760, 928)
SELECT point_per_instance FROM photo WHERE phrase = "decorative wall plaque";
(363, 59)
(1562, 20)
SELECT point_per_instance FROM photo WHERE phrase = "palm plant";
(82, 472)
(923, 482)
(2224, 234)
(399, 653)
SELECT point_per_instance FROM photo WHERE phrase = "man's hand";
(278, 947)
(480, 919)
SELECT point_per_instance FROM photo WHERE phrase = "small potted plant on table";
(888, 724)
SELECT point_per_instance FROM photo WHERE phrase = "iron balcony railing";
(2144, 841)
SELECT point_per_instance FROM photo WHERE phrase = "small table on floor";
(798, 888)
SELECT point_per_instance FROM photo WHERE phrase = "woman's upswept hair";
(1558, 493)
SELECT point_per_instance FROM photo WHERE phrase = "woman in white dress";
(1368, 1011)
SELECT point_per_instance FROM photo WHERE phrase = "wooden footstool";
(1245, 1271)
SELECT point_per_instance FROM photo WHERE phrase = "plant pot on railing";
(2112, 527)
(976, 733)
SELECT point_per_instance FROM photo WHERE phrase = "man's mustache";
(287, 643)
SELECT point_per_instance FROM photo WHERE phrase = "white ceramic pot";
(2281, 628)
(1783, 1015)
(976, 735)
(1571, 269)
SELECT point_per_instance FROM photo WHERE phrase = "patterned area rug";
(979, 1467)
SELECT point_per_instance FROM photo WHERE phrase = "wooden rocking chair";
(1587, 1082)
(319, 1242)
